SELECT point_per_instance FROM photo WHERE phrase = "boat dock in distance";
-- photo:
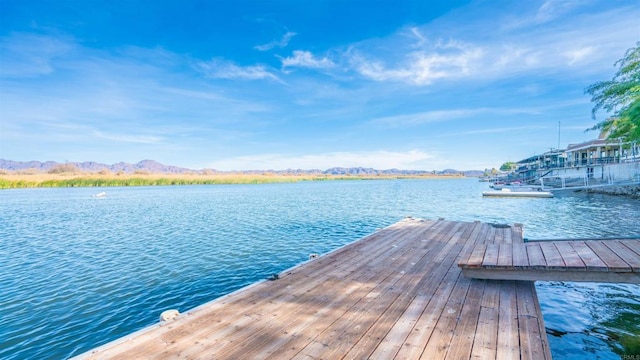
(399, 293)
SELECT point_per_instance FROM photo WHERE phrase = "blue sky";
(256, 84)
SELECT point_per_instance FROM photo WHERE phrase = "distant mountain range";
(152, 166)
(91, 166)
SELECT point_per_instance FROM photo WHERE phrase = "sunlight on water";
(79, 271)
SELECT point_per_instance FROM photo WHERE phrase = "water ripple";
(79, 272)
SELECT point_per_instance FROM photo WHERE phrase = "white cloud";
(552, 9)
(139, 139)
(125, 96)
(30, 55)
(418, 35)
(212, 99)
(375, 70)
(222, 69)
(508, 54)
(306, 59)
(518, 129)
(425, 117)
(414, 159)
(445, 115)
(577, 55)
(571, 42)
(443, 61)
(429, 67)
(189, 93)
(284, 41)
(546, 13)
(144, 96)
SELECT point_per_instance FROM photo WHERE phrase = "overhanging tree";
(621, 98)
(508, 166)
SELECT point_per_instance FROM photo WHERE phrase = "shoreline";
(44, 180)
(630, 191)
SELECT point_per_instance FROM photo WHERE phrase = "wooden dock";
(395, 294)
(592, 260)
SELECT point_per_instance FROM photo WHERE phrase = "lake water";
(79, 271)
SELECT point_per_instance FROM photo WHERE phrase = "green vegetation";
(139, 181)
(68, 179)
(508, 166)
(621, 97)
(492, 172)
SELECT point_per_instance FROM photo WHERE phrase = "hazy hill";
(152, 166)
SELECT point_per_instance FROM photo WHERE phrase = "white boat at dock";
(524, 192)
(516, 186)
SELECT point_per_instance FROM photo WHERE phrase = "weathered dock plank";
(630, 257)
(505, 255)
(520, 259)
(464, 333)
(562, 260)
(491, 256)
(590, 259)
(530, 325)
(396, 294)
(570, 257)
(477, 255)
(508, 342)
(613, 261)
(633, 245)
(485, 342)
(552, 256)
(405, 320)
(535, 255)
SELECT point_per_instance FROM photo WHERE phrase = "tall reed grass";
(22, 180)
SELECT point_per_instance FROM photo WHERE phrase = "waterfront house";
(595, 152)
(598, 162)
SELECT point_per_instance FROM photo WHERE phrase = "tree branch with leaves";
(621, 98)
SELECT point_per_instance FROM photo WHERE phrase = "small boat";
(497, 185)
(505, 192)
(100, 194)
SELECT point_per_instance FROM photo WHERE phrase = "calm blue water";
(78, 271)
